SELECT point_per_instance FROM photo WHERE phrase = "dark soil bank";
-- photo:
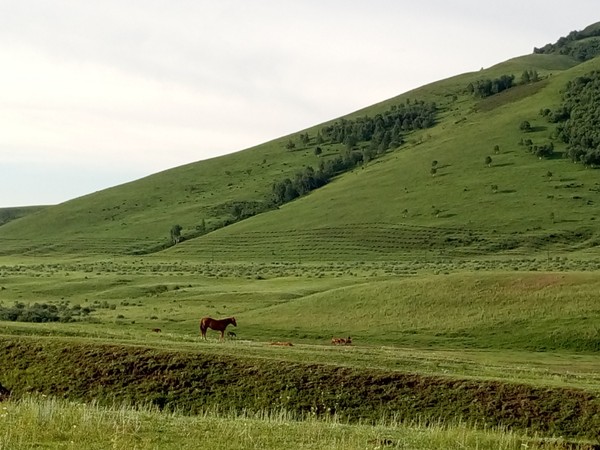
(192, 381)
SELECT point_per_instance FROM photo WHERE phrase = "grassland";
(55, 424)
(378, 304)
(533, 333)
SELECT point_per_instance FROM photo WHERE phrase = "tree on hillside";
(304, 138)
(201, 227)
(176, 233)
(290, 145)
(350, 141)
(236, 211)
(525, 126)
(488, 161)
(485, 88)
(544, 150)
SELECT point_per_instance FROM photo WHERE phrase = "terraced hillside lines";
(83, 245)
(373, 241)
(354, 241)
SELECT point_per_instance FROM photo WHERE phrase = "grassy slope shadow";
(189, 382)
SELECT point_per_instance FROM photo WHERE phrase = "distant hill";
(12, 213)
(395, 180)
(581, 45)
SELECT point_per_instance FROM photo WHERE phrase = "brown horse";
(216, 324)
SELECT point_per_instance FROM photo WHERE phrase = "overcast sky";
(96, 93)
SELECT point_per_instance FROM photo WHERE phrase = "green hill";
(432, 195)
(12, 213)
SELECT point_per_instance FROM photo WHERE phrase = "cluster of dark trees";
(239, 210)
(573, 45)
(43, 312)
(486, 87)
(382, 131)
(309, 179)
(541, 151)
(579, 119)
(377, 134)
(530, 76)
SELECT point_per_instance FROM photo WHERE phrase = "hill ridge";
(438, 179)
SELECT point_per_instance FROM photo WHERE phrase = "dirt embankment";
(190, 381)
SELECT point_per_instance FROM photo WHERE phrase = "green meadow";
(50, 423)
(463, 266)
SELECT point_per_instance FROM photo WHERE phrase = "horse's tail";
(203, 325)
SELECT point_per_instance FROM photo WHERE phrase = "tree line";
(579, 119)
(382, 131)
(487, 87)
(377, 134)
(309, 179)
(574, 46)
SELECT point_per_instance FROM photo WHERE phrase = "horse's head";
(233, 322)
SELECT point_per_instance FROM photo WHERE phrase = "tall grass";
(37, 422)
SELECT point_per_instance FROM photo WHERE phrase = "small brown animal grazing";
(283, 344)
(341, 341)
(215, 324)
(156, 330)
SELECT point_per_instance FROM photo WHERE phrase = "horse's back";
(205, 320)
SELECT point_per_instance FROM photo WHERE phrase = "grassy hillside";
(13, 213)
(393, 207)
(389, 208)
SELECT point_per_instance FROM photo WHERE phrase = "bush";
(43, 312)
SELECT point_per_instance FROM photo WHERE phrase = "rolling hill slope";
(393, 206)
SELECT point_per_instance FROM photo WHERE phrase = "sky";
(97, 93)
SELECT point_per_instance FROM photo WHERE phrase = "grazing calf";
(156, 330)
(341, 341)
(231, 334)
